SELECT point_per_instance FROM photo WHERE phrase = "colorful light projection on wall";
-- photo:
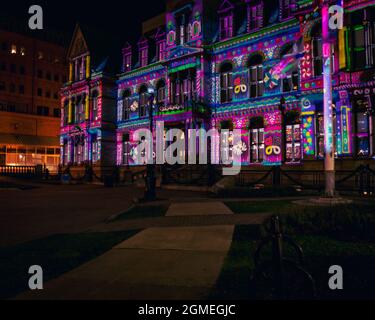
(308, 135)
(344, 143)
(273, 138)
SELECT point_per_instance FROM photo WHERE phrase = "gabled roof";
(104, 49)
(226, 5)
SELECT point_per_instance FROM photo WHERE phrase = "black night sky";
(121, 19)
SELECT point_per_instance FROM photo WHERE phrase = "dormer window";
(226, 26)
(288, 7)
(127, 58)
(144, 57)
(161, 50)
(255, 16)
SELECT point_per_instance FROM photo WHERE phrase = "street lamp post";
(329, 159)
(150, 192)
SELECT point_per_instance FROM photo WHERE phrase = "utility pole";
(329, 160)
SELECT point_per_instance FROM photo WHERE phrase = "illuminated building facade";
(32, 71)
(256, 66)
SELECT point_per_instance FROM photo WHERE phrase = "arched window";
(160, 93)
(126, 149)
(95, 105)
(256, 76)
(226, 83)
(290, 81)
(317, 50)
(143, 101)
(126, 102)
(292, 136)
(256, 140)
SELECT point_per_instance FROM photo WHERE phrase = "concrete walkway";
(158, 263)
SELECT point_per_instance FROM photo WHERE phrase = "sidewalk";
(158, 263)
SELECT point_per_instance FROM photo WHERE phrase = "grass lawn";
(276, 206)
(139, 212)
(57, 255)
(356, 258)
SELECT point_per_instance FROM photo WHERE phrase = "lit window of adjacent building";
(13, 49)
(256, 140)
(42, 111)
(226, 83)
(22, 51)
(256, 76)
(40, 55)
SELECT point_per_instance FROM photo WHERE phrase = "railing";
(361, 179)
(18, 171)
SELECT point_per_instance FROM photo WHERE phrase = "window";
(56, 112)
(127, 62)
(143, 101)
(3, 66)
(362, 47)
(363, 125)
(126, 149)
(42, 111)
(40, 92)
(256, 76)
(255, 17)
(226, 27)
(292, 137)
(79, 111)
(317, 51)
(40, 55)
(48, 76)
(56, 78)
(2, 86)
(40, 74)
(144, 57)
(4, 46)
(21, 89)
(290, 82)
(226, 83)
(48, 94)
(79, 150)
(320, 135)
(126, 103)
(287, 8)
(22, 70)
(160, 92)
(161, 50)
(66, 113)
(56, 96)
(13, 49)
(13, 68)
(65, 153)
(256, 140)
(12, 88)
(22, 51)
(95, 149)
(95, 106)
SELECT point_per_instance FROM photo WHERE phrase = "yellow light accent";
(342, 53)
(70, 111)
(70, 72)
(88, 68)
(87, 113)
